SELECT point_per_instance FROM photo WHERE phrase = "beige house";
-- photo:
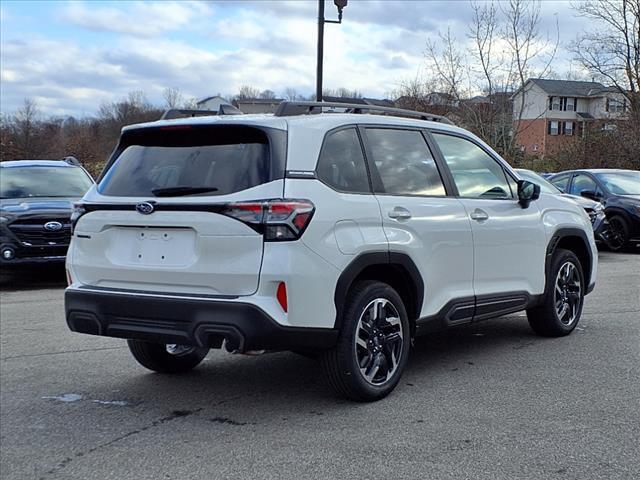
(549, 113)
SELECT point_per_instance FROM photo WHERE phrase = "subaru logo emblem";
(53, 226)
(145, 208)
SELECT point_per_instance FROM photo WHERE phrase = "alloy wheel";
(617, 233)
(567, 295)
(379, 341)
(179, 350)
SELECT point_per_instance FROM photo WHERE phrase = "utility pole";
(340, 4)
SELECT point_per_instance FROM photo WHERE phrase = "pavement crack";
(27, 355)
(227, 421)
(156, 423)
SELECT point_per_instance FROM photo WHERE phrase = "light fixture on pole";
(340, 4)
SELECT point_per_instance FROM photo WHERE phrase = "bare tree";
(447, 61)
(172, 97)
(246, 92)
(267, 94)
(613, 51)
(341, 92)
(291, 94)
(25, 125)
(526, 44)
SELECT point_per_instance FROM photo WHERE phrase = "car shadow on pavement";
(34, 278)
(270, 387)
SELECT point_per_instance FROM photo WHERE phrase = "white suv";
(337, 235)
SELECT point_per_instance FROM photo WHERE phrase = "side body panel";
(509, 247)
(438, 239)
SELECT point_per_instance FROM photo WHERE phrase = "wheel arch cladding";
(576, 241)
(395, 269)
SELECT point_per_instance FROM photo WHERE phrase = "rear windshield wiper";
(181, 191)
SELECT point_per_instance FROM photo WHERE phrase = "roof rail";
(174, 113)
(286, 109)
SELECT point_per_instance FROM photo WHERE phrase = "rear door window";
(341, 163)
(404, 162)
(189, 160)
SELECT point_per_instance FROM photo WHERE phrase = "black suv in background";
(617, 190)
(36, 202)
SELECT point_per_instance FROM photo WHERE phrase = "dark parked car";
(617, 190)
(594, 209)
(36, 201)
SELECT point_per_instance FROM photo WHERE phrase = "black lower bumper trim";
(187, 321)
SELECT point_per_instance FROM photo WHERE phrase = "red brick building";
(548, 114)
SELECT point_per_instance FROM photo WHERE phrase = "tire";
(375, 333)
(157, 356)
(561, 308)
(618, 233)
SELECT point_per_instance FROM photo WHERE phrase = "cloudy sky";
(71, 56)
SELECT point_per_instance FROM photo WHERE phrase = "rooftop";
(571, 87)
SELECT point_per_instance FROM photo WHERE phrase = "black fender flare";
(377, 258)
(557, 236)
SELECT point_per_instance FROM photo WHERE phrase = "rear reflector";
(281, 295)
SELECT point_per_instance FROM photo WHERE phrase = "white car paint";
(209, 254)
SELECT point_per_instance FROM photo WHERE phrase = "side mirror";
(527, 192)
(590, 194)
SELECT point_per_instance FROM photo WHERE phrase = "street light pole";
(320, 50)
(340, 4)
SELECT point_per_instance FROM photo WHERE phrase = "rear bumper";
(191, 321)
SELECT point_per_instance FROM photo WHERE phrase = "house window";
(568, 128)
(616, 106)
(554, 128)
(555, 103)
(570, 104)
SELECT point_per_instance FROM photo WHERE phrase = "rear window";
(189, 160)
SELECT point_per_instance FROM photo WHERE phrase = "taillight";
(277, 220)
(78, 211)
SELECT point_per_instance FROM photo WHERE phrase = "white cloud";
(204, 49)
(142, 19)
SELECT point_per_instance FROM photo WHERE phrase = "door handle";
(479, 215)
(400, 213)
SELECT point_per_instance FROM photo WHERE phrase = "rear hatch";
(173, 211)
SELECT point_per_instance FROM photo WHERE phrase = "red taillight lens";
(281, 295)
(248, 212)
(278, 220)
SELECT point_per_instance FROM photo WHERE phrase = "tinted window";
(341, 163)
(621, 183)
(208, 160)
(582, 182)
(545, 186)
(404, 162)
(475, 172)
(23, 182)
(561, 182)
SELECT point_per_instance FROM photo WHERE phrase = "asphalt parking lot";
(489, 401)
